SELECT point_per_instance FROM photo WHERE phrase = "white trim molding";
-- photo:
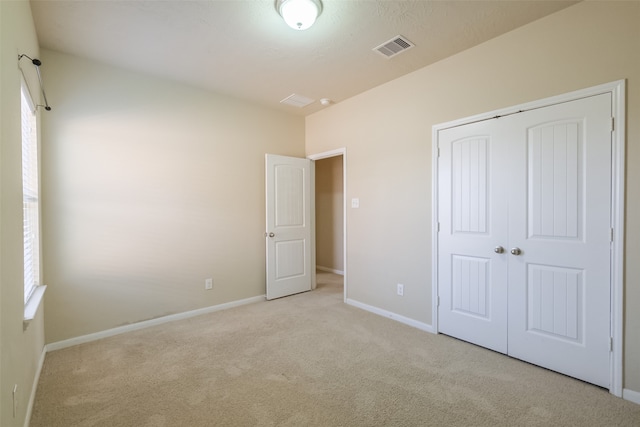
(330, 270)
(326, 154)
(34, 387)
(617, 89)
(397, 317)
(148, 323)
(33, 303)
(631, 395)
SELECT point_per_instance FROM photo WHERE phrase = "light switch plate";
(355, 203)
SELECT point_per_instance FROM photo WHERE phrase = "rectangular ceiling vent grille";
(396, 45)
(296, 100)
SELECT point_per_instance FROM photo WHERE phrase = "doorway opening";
(330, 218)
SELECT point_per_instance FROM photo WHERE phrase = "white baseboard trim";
(148, 323)
(34, 387)
(631, 395)
(402, 319)
(329, 270)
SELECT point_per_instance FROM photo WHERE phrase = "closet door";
(559, 220)
(537, 184)
(472, 267)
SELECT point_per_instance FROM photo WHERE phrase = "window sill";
(32, 305)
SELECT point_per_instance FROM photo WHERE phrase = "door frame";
(325, 155)
(617, 89)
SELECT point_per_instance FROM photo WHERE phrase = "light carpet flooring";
(307, 360)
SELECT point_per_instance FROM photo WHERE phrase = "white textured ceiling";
(244, 49)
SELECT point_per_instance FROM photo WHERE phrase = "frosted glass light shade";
(299, 14)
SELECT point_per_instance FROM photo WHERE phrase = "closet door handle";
(498, 249)
(516, 251)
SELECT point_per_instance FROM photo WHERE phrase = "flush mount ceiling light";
(299, 14)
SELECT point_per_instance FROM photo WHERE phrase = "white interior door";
(538, 185)
(472, 214)
(288, 228)
(560, 219)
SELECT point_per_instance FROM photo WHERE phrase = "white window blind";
(30, 196)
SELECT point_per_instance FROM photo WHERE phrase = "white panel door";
(472, 214)
(559, 286)
(538, 184)
(288, 232)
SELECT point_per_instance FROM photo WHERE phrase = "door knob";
(271, 234)
(516, 251)
(498, 249)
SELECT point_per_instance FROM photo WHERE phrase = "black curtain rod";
(37, 63)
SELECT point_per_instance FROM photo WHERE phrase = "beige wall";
(329, 214)
(387, 133)
(20, 349)
(149, 188)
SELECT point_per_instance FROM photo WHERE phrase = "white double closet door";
(524, 245)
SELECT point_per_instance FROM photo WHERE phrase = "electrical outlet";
(208, 284)
(400, 289)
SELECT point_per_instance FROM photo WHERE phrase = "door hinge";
(611, 235)
(610, 344)
(612, 125)
(438, 151)
(438, 301)
(438, 227)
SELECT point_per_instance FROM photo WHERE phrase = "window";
(30, 198)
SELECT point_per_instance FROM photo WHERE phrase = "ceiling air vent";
(297, 100)
(396, 45)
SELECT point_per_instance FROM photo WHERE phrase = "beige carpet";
(307, 360)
